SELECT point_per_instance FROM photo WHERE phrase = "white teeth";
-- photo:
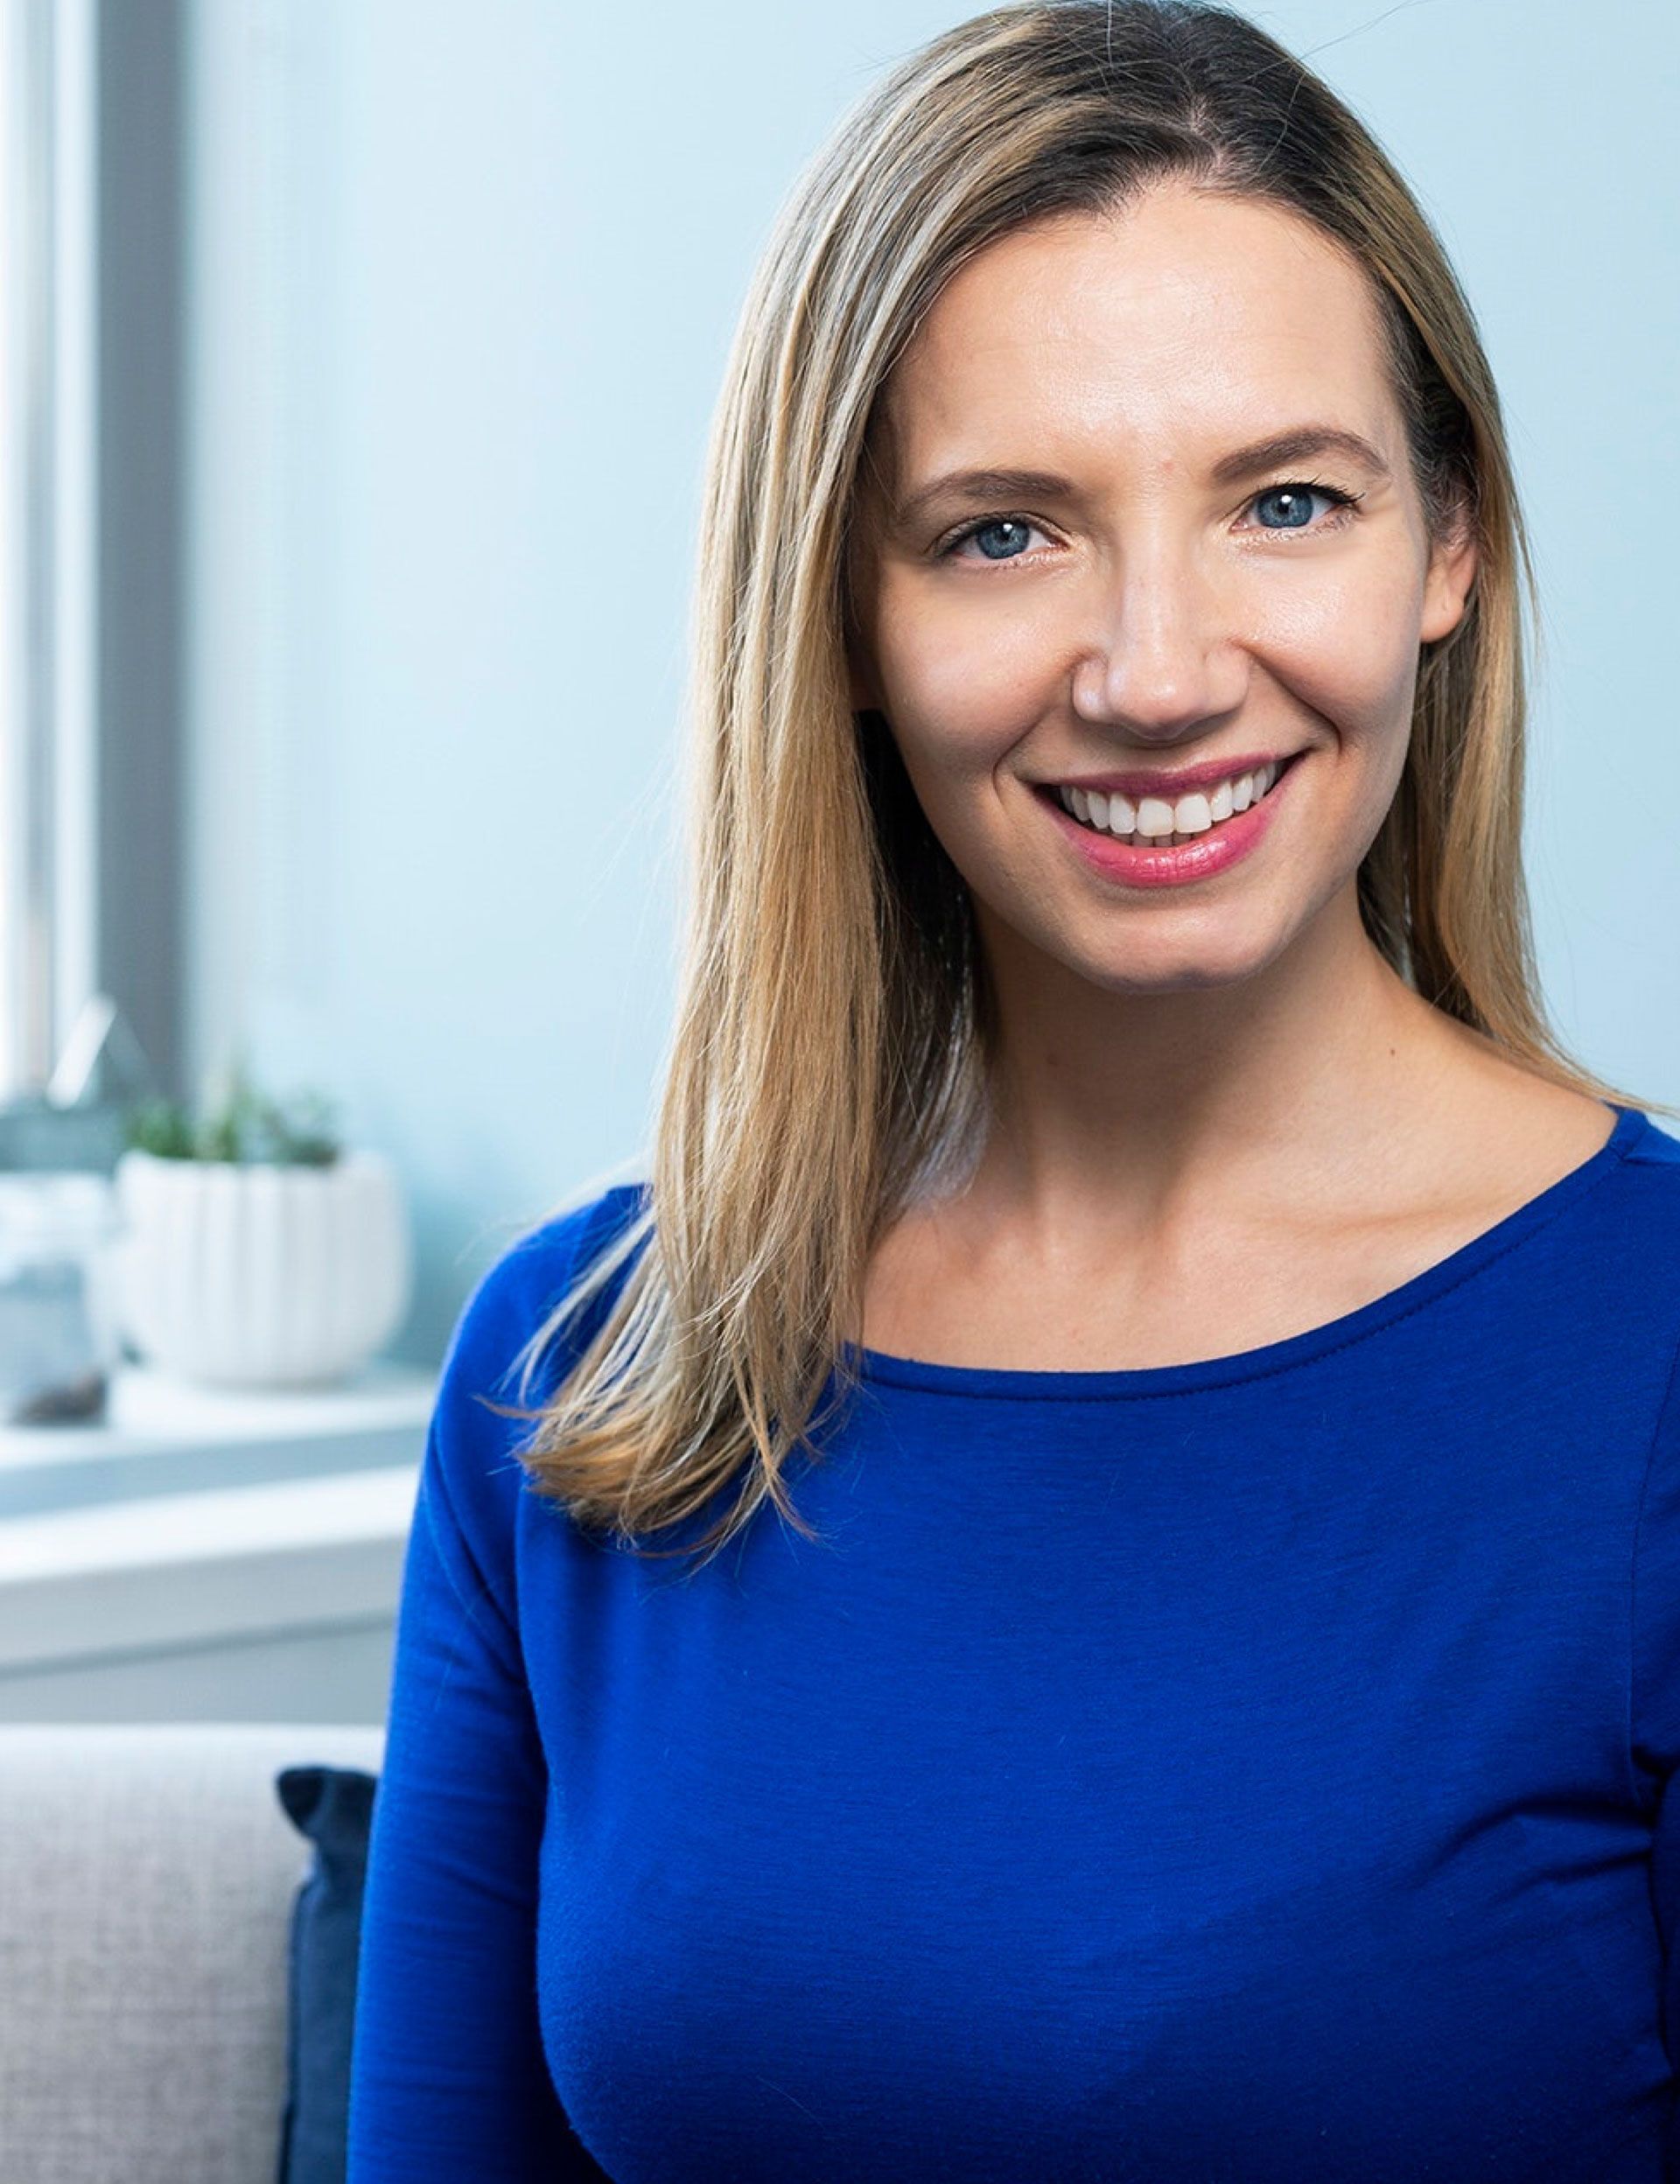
(1153, 818)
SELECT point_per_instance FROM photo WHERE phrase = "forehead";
(1185, 322)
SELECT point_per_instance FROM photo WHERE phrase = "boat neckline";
(1017, 1383)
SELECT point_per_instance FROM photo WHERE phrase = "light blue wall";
(464, 278)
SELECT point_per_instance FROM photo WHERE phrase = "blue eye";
(1295, 498)
(992, 524)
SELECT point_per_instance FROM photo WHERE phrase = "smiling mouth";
(1158, 823)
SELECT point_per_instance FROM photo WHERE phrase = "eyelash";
(1342, 503)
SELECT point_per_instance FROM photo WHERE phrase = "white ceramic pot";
(257, 1276)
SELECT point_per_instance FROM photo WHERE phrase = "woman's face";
(1164, 592)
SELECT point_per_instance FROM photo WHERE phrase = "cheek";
(964, 679)
(1344, 647)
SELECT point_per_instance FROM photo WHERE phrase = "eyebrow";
(1299, 444)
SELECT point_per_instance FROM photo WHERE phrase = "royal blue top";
(1255, 1769)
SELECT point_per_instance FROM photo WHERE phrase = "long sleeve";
(1656, 1706)
(449, 2080)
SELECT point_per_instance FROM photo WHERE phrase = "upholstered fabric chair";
(147, 1880)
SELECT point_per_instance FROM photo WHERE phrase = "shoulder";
(1622, 1256)
(514, 1296)
(1640, 1199)
(1653, 1146)
(471, 1454)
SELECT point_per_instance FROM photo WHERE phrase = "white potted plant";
(256, 1251)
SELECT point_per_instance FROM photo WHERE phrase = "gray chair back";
(147, 1875)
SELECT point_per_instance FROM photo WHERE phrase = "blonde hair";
(834, 1031)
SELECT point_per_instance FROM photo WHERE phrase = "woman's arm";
(448, 2077)
(1655, 1701)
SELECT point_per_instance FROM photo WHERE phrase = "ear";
(1452, 573)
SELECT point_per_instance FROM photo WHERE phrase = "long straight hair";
(834, 1031)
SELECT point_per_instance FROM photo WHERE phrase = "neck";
(1296, 1083)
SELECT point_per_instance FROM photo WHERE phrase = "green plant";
(239, 1124)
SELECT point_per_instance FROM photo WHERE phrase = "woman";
(1209, 1710)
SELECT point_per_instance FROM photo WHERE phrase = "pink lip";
(1172, 785)
(1116, 859)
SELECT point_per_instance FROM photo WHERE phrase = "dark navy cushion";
(331, 1807)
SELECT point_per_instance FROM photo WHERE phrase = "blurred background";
(356, 359)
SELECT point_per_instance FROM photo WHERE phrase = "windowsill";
(194, 1515)
(168, 1436)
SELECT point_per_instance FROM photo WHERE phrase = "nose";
(1162, 661)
